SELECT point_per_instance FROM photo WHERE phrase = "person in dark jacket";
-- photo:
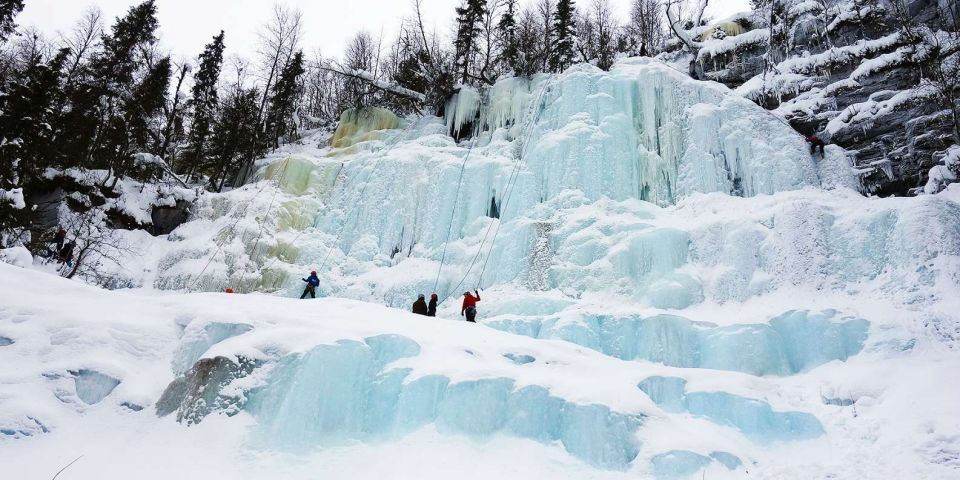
(59, 238)
(815, 143)
(66, 254)
(420, 306)
(470, 306)
(313, 281)
(432, 308)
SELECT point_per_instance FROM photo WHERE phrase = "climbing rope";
(456, 199)
(263, 221)
(363, 190)
(511, 186)
(220, 243)
(391, 145)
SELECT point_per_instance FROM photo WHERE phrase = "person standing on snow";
(420, 306)
(432, 308)
(470, 306)
(313, 281)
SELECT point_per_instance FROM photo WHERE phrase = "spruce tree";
(26, 111)
(8, 12)
(234, 134)
(507, 32)
(204, 102)
(564, 24)
(91, 129)
(469, 17)
(283, 100)
(26, 108)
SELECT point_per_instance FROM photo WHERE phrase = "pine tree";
(283, 100)
(91, 128)
(26, 108)
(507, 32)
(563, 36)
(126, 105)
(469, 18)
(234, 134)
(8, 12)
(204, 101)
(118, 61)
(26, 111)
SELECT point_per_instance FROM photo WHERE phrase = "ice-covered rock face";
(791, 343)
(566, 163)
(754, 418)
(342, 393)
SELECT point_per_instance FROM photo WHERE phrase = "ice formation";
(93, 386)
(676, 289)
(791, 343)
(333, 395)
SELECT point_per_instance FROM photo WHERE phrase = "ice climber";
(66, 254)
(57, 242)
(59, 238)
(313, 281)
(432, 308)
(470, 306)
(420, 306)
(815, 143)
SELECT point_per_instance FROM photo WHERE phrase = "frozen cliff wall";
(860, 74)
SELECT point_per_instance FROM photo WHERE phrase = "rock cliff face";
(878, 78)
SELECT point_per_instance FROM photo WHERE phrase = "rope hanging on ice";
(453, 212)
(263, 221)
(220, 243)
(356, 209)
(511, 186)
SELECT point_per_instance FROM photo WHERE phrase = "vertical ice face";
(790, 343)
(342, 393)
(754, 418)
(644, 131)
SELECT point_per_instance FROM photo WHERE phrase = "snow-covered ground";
(349, 388)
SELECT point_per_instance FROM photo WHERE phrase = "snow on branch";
(391, 87)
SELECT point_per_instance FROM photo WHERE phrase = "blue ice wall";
(791, 343)
(754, 418)
(342, 393)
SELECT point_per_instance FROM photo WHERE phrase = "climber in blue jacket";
(313, 281)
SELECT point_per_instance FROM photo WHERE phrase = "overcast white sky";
(187, 25)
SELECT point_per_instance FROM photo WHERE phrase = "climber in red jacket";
(815, 143)
(470, 306)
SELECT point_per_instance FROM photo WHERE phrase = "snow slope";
(340, 384)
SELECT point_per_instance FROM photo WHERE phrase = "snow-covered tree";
(507, 37)
(470, 16)
(8, 12)
(204, 102)
(564, 36)
(283, 101)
